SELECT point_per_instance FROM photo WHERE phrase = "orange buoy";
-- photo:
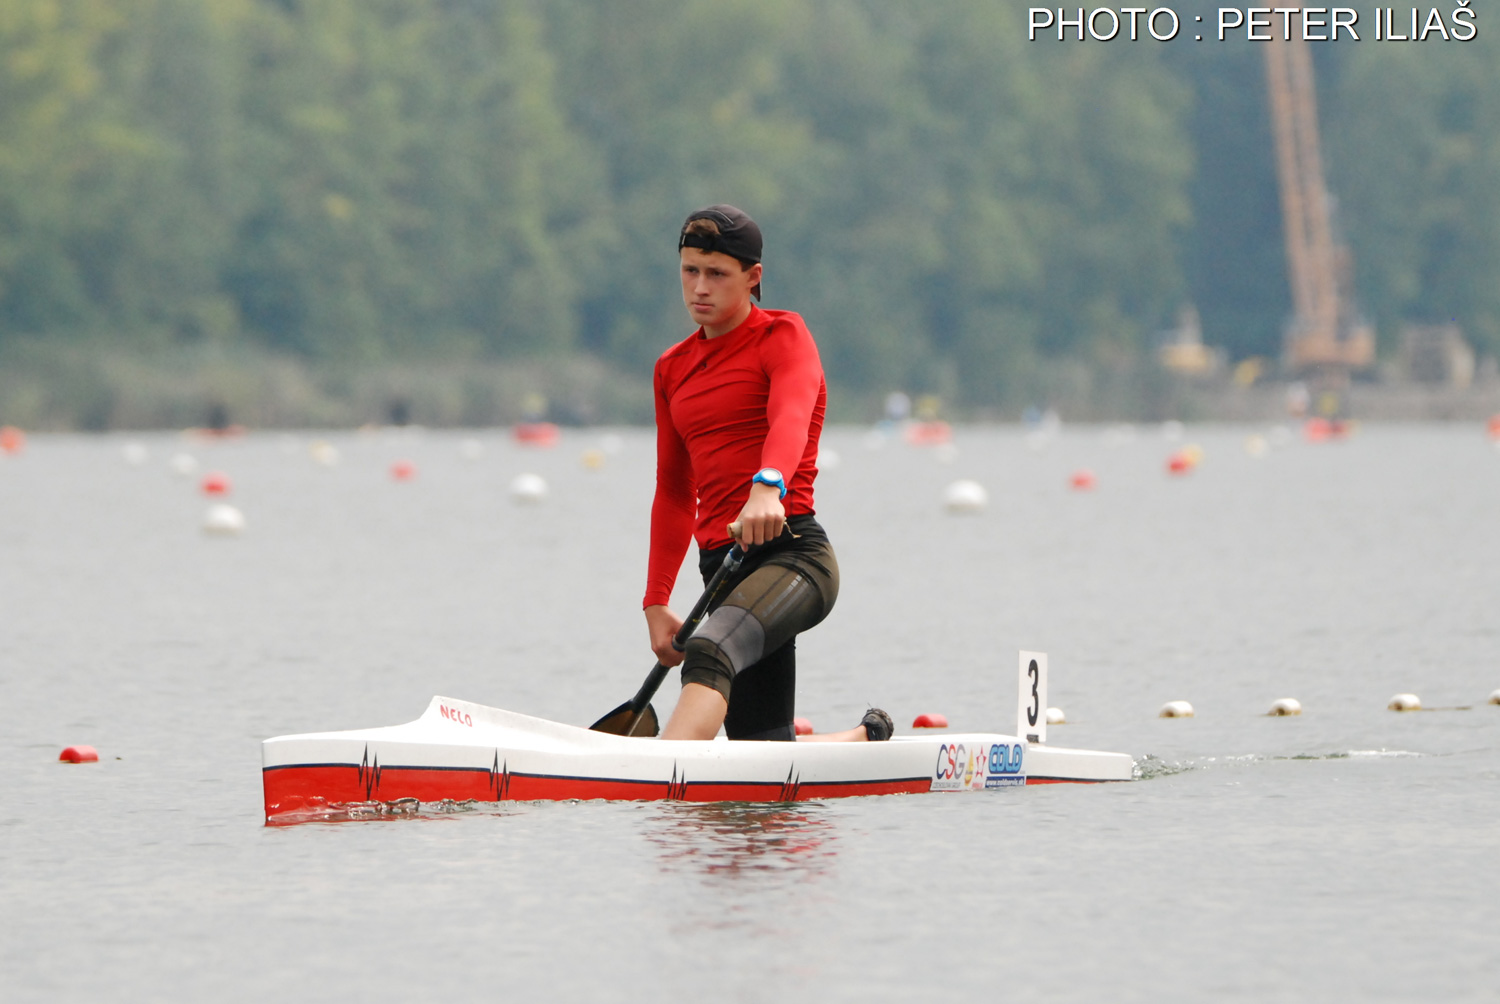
(12, 440)
(1179, 463)
(79, 754)
(802, 726)
(1495, 428)
(543, 434)
(930, 721)
(932, 433)
(214, 483)
(1082, 480)
(403, 470)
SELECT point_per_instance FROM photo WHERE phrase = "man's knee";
(705, 664)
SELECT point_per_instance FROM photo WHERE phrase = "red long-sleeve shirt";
(725, 408)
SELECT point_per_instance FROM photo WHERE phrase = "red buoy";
(403, 470)
(1083, 480)
(214, 483)
(12, 440)
(79, 754)
(930, 721)
(543, 434)
(933, 433)
(1179, 463)
(1495, 428)
(802, 726)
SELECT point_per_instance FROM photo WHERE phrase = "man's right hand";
(662, 624)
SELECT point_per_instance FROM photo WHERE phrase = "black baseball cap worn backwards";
(738, 235)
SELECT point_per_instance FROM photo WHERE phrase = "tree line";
(950, 205)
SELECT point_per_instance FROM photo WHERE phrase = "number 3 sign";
(1031, 714)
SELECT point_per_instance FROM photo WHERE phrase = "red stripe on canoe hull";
(290, 789)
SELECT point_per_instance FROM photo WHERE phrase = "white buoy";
(965, 497)
(1175, 709)
(1286, 706)
(135, 454)
(945, 453)
(529, 488)
(1257, 446)
(1055, 716)
(183, 463)
(1405, 702)
(471, 449)
(828, 458)
(323, 452)
(223, 520)
(1495, 697)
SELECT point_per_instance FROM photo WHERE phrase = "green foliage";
(954, 208)
(1416, 144)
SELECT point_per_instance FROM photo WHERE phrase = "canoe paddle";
(636, 717)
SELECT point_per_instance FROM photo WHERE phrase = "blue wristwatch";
(770, 476)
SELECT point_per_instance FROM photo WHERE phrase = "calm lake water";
(1348, 854)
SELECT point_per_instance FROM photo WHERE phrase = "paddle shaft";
(711, 595)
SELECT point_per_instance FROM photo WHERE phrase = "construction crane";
(1325, 339)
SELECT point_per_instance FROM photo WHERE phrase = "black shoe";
(878, 725)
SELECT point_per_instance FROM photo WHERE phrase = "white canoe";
(461, 751)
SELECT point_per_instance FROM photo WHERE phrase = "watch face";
(768, 474)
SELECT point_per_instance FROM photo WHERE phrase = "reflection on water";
(729, 841)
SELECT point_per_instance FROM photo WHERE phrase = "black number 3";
(1036, 699)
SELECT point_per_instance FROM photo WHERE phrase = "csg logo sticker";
(959, 768)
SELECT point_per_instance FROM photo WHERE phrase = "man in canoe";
(739, 411)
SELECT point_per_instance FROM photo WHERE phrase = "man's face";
(715, 288)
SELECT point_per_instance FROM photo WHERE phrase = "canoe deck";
(462, 751)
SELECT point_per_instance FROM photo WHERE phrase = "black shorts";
(746, 649)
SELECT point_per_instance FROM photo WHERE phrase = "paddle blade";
(626, 721)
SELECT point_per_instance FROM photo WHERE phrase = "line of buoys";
(802, 727)
(528, 488)
(1289, 706)
(965, 496)
(930, 720)
(79, 754)
(223, 520)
